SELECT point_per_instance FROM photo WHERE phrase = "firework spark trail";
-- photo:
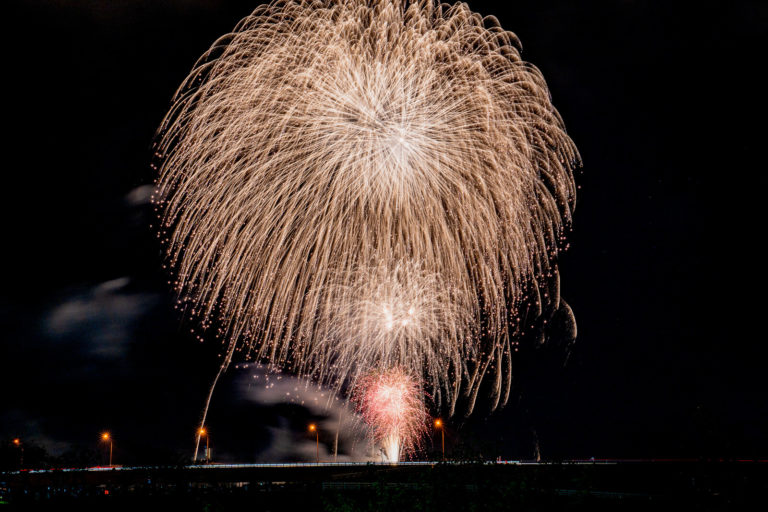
(392, 403)
(320, 140)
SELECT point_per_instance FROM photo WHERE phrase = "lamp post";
(313, 428)
(203, 432)
(106, 437)
(439, 424)
(336, 441)
(17, 442)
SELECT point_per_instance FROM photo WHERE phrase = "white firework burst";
(325, 149)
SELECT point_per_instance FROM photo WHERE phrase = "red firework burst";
(392, 403)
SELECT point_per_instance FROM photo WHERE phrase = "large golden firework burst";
(327, 149)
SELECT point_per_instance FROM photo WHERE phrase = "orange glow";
(438, 423)
(105, 436)
(17, 441)
(312, 427)
(202, 431)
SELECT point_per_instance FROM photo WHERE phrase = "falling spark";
(348, 185)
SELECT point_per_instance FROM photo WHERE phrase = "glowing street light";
(17, 443)
(313, 428)
(439, 425)
(203, 432)
(106, 437)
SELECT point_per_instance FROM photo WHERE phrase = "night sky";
(664, 271)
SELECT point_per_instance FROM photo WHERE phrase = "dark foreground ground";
(657, 485)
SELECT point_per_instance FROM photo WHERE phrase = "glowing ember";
(392, 403)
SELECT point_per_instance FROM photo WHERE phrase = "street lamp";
(313, 428)
(17, 442)
(203, 432)
(106, 437)
(439, 424)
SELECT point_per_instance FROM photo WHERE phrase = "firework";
(389, 316)
(392, 403)
(332, 167)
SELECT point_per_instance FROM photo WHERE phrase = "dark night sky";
(664, 272)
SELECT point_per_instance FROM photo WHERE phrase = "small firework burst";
(392, 403)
